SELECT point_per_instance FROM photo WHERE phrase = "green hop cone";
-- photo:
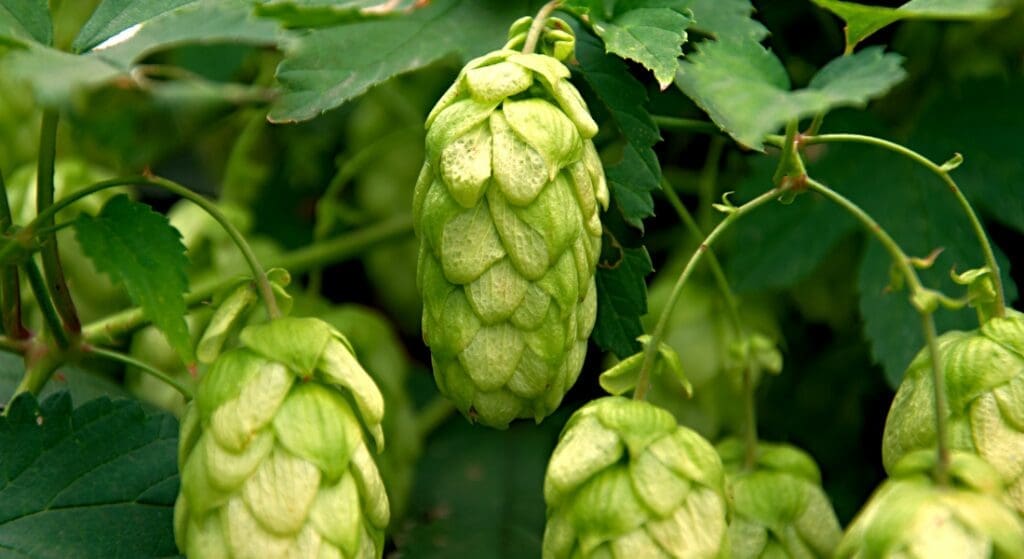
(626, 481)
(273, 455)
(778, 507)
(507, 212)
(984, 380)
(911, 516)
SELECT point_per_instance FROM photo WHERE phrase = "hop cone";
(779, 509)
(272, 452)
(506, 209)
(626, 481)
(910, 516)
(984, 380)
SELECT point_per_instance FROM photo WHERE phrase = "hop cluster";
(911, 516)
(507, 211)
(626, 481)
(778, 507)
(984, 381)
(272, 451)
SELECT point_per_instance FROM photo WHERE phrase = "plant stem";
(979, 230)
(38, 373)
(537, 27)
(46, 308)
(686, 124)
(643, 381)
(52, 269)
(142, 366)
(109, 329)
(433, 415)
(927, 319)
(750, 419)
(10, 283)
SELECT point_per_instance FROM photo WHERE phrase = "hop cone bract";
(778, 507)
(984, 380)
(506, 209)
(272, 452)
(626, 481)
(910, 516)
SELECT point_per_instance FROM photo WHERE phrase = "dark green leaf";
(320, 13)
(25, 21)
(862, 21)
(139, 249)
(745, 89)
(632, 179)
(99, 481)
(317, 78)
(726, 19)
(650, 32)
(621, 300)
(113, 16)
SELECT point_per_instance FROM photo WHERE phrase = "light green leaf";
(96, 482)
(726, 19)
(862, 21)
(649, 32)
(320, 13)
(25, 22)
(379, 49)
(113, 16)
(139, 249)
(745, 89)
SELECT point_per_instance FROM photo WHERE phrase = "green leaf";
(621, 300)
(113, 16)
(99, 481)
(745, 89)
(724, 19)
(379, 49)
(83, 385)
(25, 21)
(139, 249)
(55, 76)
(632, 179)
(863, 21)
(650, 32)
(320, 13)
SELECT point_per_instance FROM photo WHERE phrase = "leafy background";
(267, 116)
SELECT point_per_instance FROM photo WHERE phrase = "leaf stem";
(643, 381)
(142, 366)
(686, 124)
(10, 283)
(942, 173)
(46, 307)
(52, 269)
(537, 27)
(902, 261)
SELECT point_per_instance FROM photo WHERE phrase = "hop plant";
(911, 516)
(984, 381)
(272, 451)
(778, 506)
(507, 211)
(626, 481)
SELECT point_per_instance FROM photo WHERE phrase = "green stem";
(109, 329)
(433, 415)
(643, 381)
(10, 283)
(46, 308)
(52, 269)
(686, 124)
(979, 230)
(750, 418)
(537, 27)
(142, 366)
(38, 373)
(902, 262)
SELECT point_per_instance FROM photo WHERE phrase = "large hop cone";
(778, 507)
(273, 454)
(626, 481)
(984, 380)
(506, 209)
(910, 516)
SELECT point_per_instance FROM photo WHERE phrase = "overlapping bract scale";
(273, 454)
(984, 381)
(626, 481)
(507, 212)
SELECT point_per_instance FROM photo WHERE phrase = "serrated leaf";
(320, 13)
(376, 50)
(113, 16)
(621, 301)
(726, 19)
(25, 21)
(632, 179)
(99, 481)
(745, 89)
(55, 76)
(862, 21)
(138, 248)
(650, 32)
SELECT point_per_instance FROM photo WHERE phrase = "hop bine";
(272, 451)
(507, 211)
